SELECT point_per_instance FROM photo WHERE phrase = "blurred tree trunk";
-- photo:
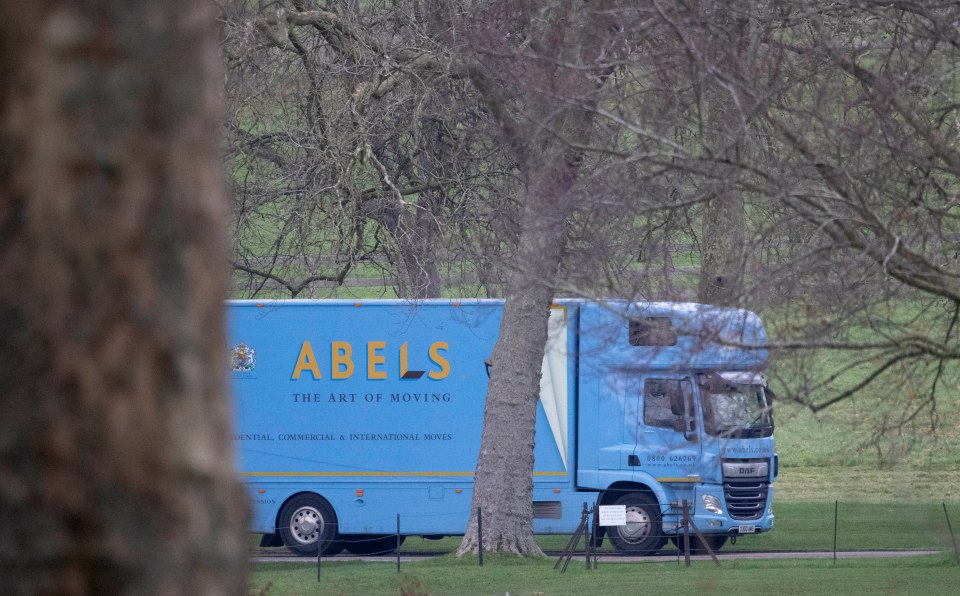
(114, 420)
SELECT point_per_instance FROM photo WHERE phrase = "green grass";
(809, 527)
(504, 573)
(896, 484)
(845, 436)
(893, 421)
(860, 526)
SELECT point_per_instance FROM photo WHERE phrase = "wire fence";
(826, 527)
(845, 526)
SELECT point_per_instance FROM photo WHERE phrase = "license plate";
(746, 529)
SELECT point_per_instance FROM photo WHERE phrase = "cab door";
(667, 442)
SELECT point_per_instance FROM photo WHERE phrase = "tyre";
(716, 542)
(643, 534)
(306, 519)
(596, 537)
(371, 544)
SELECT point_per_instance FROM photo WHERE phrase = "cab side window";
(663, 403)
(652, 331)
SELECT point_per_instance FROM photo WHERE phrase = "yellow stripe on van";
(377, 474)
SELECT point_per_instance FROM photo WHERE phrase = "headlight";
(712, 504)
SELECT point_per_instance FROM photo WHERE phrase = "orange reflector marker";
(359, 492)
(261, 491)
(457, 490)
(357, 304)
(260, 305)
(556, 490)
(455, 304)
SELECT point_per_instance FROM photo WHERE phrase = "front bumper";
(718, 523)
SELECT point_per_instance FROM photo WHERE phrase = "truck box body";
(376, 408)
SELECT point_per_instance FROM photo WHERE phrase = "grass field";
(507, 574)
(800, 526)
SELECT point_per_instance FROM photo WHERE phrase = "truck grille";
(745, 498)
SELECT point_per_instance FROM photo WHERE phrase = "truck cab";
(673, 408)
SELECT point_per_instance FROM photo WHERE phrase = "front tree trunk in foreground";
(115, 459)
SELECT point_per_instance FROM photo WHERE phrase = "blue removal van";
(349, 414)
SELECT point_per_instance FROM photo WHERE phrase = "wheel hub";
(638, 524)
(305, 524)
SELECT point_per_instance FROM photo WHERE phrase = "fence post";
(675, 510)
(585, 520)
(686, 532)
(836, 517)
(318, 558)
(592, 536)
(480, 533)
(567, 555)
(398, 543)
(952, 537)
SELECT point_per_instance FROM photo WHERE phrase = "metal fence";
(824, 527)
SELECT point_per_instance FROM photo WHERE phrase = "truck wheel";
(306, 519)
(643, 534)
(596, 537)
(371, 544)
(716, 542)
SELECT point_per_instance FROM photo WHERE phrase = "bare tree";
(803, 154)
(114, 421)
(356, 146)
(535, 69)
(847, 157)
(834, 130)
(539, 74)
(868, 158)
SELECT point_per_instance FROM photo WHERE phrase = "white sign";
(613, 515)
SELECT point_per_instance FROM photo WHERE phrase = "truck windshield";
(735, 410)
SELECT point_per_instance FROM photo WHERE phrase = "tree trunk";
(417, 236)
(114, 420)
(722, 251)
(724, 219)
(503, 486)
